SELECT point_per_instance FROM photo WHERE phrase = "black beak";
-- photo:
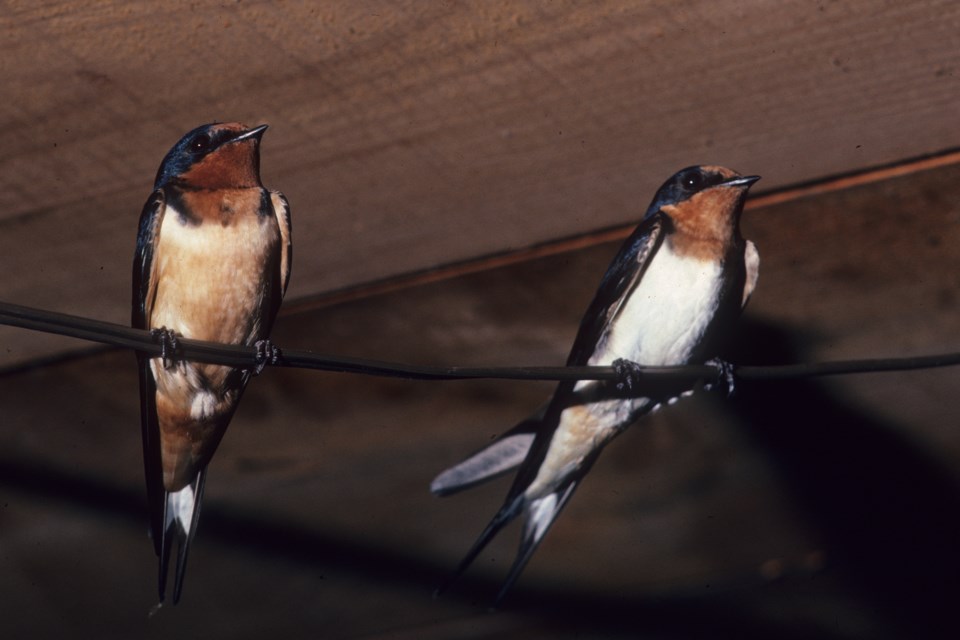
(742, 181)
(256, 132)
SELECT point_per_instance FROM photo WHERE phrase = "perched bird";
(212, 263)
(674, 289)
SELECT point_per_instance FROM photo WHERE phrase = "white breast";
(660, 324)
(667, 313)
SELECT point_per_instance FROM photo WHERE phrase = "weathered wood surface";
(414, 134)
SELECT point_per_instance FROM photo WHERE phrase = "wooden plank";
(422, 134)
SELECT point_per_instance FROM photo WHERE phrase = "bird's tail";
(540, 516)
(499, 457)
(507, 512)
(181, 510)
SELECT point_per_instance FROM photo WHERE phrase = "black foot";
(267, 353)
(628, 373)
(725, 375)
(169, 345)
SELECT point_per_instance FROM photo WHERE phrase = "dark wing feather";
(281, 209)
(274, 204)
(143, 292)
(143, 282)
(622, 276)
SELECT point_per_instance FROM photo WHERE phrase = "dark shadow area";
(561, 609)
(889, 514)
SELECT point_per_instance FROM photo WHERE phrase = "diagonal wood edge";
(582, 241)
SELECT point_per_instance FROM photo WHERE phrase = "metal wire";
(247, 357)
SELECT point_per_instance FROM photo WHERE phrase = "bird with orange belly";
(212, 263)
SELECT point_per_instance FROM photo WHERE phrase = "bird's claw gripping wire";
(628, 373)
(267, 353)
(726, 376)
(169, 345)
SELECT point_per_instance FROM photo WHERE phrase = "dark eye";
(692, 181)
(201, 143)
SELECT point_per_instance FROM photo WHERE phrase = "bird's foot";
(725, 376)
(267, 353)
(628, 373)
(169, 345)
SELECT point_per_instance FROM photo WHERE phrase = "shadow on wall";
(889, 518)
(888, 514)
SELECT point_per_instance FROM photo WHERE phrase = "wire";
(247, 357)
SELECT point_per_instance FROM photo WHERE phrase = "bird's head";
(214, 156)
(703, 200)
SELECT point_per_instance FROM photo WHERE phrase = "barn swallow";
(212, 263)
(674, 289)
